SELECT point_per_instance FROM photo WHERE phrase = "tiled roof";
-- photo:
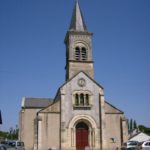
(28, 102)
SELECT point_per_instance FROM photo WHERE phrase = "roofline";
(32, 107)
(43, 98)
(121, 112)
(138, 134)
(45, 107)
(86, 75)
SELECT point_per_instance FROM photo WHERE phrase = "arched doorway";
(82, 131)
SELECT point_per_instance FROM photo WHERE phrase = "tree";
(134, 125)
(3, 135)
(131, 125)
(128, 125)
(12, 134)
(144, 129)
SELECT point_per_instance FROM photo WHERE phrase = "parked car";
(130, 145)
(5, 147)
(146, 145)
(2, 147)
(15, 145)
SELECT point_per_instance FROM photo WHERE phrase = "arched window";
(80, 53)
(87, 99)
(77, 53)
(83, 53)
(81, 99)
(76, 99)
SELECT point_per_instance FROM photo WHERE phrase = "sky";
(32, 52)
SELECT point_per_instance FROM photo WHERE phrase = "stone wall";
(27, 117)
(48, 131)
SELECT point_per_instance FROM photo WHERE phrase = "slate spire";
(77, 21)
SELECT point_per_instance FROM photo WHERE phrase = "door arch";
(82, 140)
(92, 127)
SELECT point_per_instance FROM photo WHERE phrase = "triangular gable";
(110, 109)
(86, 76)
(55, 106)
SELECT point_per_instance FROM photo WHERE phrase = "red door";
(81, 138)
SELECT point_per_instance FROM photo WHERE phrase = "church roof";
(110, 109)
(36, 102)
(77, 21)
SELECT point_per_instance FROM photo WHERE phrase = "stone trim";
(88, 119)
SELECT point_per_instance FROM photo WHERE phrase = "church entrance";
(81, 136)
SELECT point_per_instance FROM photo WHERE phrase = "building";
(79, 115)
(139, 136)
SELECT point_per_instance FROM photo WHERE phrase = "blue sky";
(32, 52)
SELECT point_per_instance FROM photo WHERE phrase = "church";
(78, 117)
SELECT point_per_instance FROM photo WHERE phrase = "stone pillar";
(74, 137)
(35, 134)
(73, 140)
(90, 138)
(124, 130)
(39, 135)
(84, 99)
(93, 137)
(103, 142)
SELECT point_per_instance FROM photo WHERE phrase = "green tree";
(141, 128)
(134, 125)
(144, 129)
(3, 135)
(128, 125)
(131, 125)
(12, 134)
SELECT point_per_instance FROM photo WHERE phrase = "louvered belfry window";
(77, 53)
(80, 53)
(83, 53)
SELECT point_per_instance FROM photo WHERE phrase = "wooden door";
(81, 138)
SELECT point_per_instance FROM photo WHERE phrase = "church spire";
(77, 21)
(78, 46)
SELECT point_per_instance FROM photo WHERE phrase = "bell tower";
(78, 43)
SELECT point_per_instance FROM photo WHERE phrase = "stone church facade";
(78, 116)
